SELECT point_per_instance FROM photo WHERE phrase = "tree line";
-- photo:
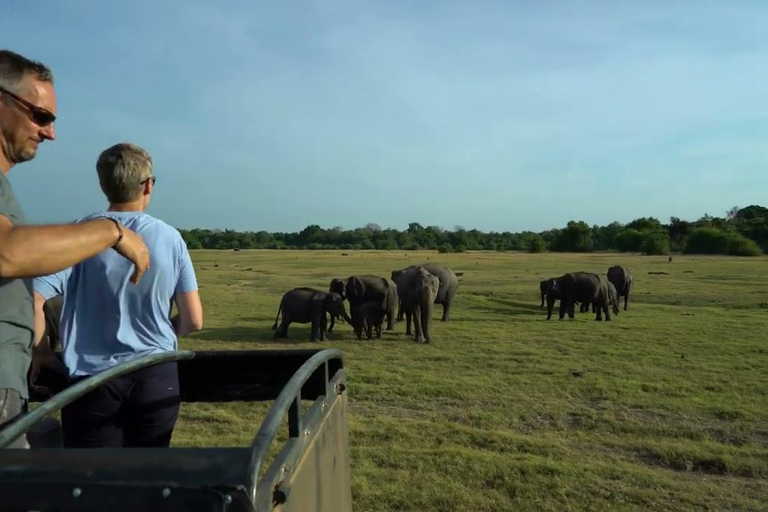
(742, 232)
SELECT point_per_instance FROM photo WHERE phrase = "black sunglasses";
(153, 178)
(39, 115)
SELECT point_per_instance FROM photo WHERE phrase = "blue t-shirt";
(106, 319)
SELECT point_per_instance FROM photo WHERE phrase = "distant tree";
(537, 245)
(372, 226)
(655, 243)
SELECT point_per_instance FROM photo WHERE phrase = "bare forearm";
(29, 251)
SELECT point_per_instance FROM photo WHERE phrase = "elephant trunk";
(426, 318)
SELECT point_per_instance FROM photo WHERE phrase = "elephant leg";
(563, 307)
(400, 311)
(390, 319)
(447, 306)
(323, 326)
(550, 306)
(626, 300)
(599, 316)
(426, 323)
(333, 322)
(417, 324)
(408, 315)
(282, 330)
(357, 322)
(313, 331)
(607, 308)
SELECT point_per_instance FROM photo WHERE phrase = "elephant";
(583, 287)
(419, 289)
(305, 305)
(337, 286)
(623, 280)
(359, 289)
(449, 283)
(371, 315)
(546, 288)
(613, 300)
(553, 292)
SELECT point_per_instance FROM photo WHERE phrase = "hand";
(132, 247)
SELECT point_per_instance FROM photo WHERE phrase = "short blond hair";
(121, 170)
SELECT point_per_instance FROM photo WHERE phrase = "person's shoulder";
(160, 226)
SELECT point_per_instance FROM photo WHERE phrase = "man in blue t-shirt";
(106, 320)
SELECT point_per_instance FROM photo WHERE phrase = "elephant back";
(620, 277)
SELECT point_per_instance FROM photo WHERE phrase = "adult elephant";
(586, 288)
(359, 289)
(623, 280)
(418, 289)
(449, 283)
(308, 305)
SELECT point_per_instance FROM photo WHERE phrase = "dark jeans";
(136, 410)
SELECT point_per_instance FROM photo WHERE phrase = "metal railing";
(72, 393)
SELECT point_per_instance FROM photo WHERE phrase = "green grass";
(665, 408)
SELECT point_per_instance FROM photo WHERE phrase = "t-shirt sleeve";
(187, 279)
(51, 285)
(5, 199)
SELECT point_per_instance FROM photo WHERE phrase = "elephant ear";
(357, 287)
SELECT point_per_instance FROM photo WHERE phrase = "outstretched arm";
(30, 251)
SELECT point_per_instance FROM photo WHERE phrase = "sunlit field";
(663, 408)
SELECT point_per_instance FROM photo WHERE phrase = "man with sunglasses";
(27, 115)
(105, 321)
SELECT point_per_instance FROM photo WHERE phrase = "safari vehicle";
(309, 473)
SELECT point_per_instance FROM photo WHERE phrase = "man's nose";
(49, 132)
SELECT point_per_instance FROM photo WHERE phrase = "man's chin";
(26, 155)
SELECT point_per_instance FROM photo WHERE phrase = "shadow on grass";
(509, 307)
(297, 333)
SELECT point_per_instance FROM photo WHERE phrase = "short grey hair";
(121, 170)
(14, 68)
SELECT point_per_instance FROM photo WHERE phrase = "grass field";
(664, 408)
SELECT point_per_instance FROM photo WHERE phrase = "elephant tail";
(274, 326)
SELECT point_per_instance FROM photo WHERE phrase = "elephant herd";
(410, 292)
(601, 292)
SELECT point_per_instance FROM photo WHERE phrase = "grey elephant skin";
(418, 290)
(548, 288)
(449, 283)
(623, 280)
(337, 286)
(360, 289)
(583, 287)
(613, 301)
(308, 305)
(371, 316)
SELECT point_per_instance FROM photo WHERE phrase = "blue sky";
(495, 115)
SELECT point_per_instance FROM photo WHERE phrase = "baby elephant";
(307, 305)
(371, 315)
